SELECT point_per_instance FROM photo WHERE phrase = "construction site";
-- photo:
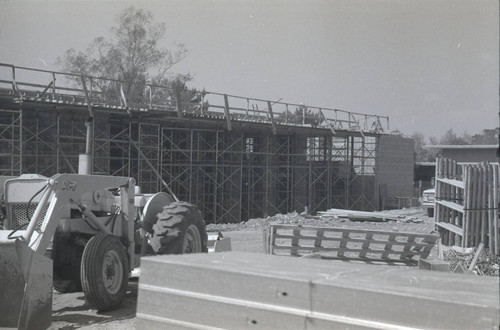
(271, 180)
(237, 157)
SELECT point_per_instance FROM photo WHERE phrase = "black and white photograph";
(249, 164)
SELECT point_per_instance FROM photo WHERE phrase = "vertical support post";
(58, 146)
(495, 205)
(37, 139)
(202, 102)
(191, 147)
(270, 111)
(127, 205)
(363, 160)
(303, 115)
(484, 203)
(86, 161)
(266, 213)
(21, 129)
(150, 94)
(490, 206)
(226, 113)
(467, 205)
(14, 85)
(53, 85)
(216, 181)
(242, 155)
(123, 97)
(178, 99)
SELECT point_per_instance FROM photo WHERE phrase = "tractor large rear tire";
(104, 272)
(67, 257)
(180, 229)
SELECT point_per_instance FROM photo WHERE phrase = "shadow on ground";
(71, 311)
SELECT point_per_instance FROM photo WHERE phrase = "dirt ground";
(70, 311)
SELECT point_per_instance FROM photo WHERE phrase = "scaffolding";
(236, 158)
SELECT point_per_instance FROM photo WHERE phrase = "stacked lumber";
(236, 290)
(361, 215)
(467, 199)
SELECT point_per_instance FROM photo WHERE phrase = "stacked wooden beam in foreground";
(235, 290)
(467, 200)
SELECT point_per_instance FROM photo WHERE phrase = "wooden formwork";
(347, 244)
(467, 199)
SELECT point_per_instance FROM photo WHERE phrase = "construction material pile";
(408, 220)
(483, 261)
(367, 216)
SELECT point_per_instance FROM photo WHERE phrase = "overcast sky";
(428, 65)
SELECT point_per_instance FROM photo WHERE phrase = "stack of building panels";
(237, 290)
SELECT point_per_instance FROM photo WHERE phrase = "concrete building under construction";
(235, 157)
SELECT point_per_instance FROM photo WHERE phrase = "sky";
(430, 65)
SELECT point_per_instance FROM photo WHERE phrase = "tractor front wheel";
(180, 229)
(104, 272)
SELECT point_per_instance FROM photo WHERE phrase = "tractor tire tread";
(168, 231)
(91, 274)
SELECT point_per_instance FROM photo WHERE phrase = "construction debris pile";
(410, 220)
(487, 264)
(369, 216)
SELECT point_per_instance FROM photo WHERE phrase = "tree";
(132, 56)
(489, 136)
(422, 153)
(450, 137)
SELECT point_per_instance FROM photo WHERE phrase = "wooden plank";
(450, 227)
(467, 205)
(319, 238)
(340, 239)
(343, 243)
(244, 290)
(454, 214)
(451, 205)
(484, 205)
(490, 206)
(377, 306)
(367, 240)
(437, 196)
(227, 115)
(350, 230)
(476, 256)
(295, 240)
(361, 214)
(271, 115)
(178, 100)
(478, 193)
(358, 251)
(472, 232)
(451, 212)
(496, 203)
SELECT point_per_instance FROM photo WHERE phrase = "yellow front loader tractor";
(74, 232)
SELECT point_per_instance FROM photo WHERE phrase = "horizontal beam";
(455, 183)
(450, 227)
(451, 205)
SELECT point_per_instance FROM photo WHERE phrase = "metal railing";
(29, 84)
